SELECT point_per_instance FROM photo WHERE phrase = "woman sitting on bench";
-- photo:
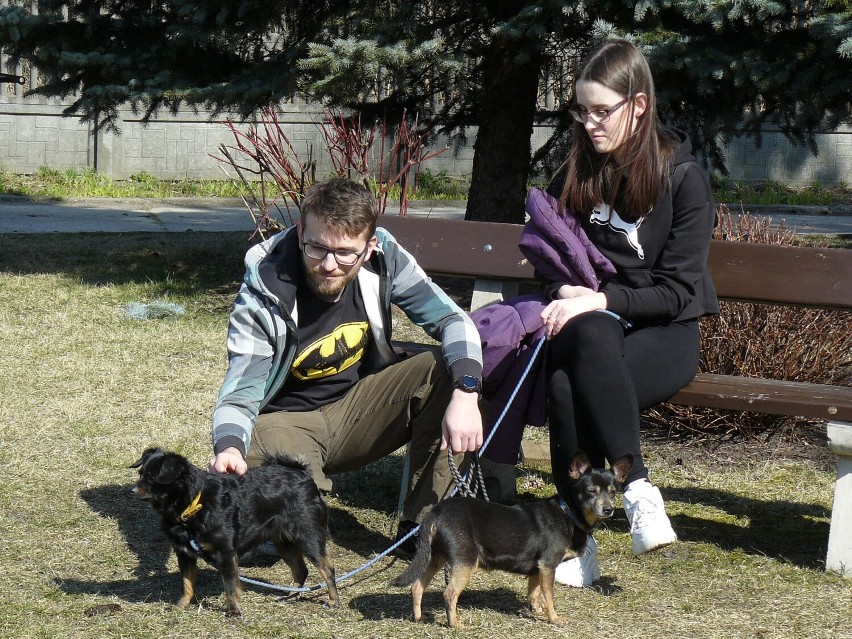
(653, 221)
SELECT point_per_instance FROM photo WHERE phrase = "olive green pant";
(402, 404)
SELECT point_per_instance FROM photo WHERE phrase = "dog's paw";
(183, 602)
(556, 620)
(233, 613)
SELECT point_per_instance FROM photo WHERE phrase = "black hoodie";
(661, 259)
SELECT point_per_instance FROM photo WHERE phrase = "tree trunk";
(501, 159)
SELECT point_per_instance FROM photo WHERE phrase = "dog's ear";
(146, 455)
(171, 468)
(580, 465)
(622, 466)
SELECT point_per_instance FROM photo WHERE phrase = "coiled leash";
(473, 483)
(460, 481)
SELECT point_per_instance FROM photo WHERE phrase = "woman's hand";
(560, 312)
(567, 292)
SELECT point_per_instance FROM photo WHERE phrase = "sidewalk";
(178, 215)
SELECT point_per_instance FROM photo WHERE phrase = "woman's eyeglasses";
(599, 116)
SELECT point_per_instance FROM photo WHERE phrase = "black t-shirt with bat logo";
(333, 339)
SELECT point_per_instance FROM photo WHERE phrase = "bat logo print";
(334, 353)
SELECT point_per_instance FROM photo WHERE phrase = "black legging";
(600, 378)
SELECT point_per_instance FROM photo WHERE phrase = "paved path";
(20, 215)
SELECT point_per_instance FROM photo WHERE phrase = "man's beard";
(325, 288)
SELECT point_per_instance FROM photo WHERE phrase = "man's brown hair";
(342, 205)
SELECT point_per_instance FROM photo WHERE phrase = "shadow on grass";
(374, 488)
(153, 581)
(504, 601)
(784, 530)
(499, 601)
(790, 532)
(181, 263)
(349, 533)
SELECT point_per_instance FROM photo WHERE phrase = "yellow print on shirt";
(333, 353)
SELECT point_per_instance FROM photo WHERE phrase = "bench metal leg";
(839, 558)
(487, 291)
(403, 480)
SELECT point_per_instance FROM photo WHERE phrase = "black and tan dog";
(529, 538)
(220, 517)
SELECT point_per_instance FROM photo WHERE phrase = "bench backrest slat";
(773, 273)
(456, 247)
(742, 271)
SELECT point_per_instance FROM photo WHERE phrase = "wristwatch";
(468, 384)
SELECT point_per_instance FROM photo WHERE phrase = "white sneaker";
(581, 571)
(649, 525)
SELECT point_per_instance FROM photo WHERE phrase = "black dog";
(219, 517)
(529, 538)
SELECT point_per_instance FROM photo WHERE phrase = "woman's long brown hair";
(642, 163)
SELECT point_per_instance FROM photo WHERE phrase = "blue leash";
(414, 530)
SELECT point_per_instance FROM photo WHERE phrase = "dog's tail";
(288, 461)
(421, 558)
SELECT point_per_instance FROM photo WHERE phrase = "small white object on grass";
(153, 310)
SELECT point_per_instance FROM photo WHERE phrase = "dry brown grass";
(85, 389)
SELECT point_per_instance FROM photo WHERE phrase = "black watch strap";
(468, 384)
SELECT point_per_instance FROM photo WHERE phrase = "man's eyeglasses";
(342, 257)
(597, 115)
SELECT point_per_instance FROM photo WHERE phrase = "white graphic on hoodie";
(605, 215)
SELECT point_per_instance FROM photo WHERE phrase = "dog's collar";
(192, 509)
(573, 517)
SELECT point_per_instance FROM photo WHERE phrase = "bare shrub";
(350, 144)
(762, 340)
(273, 175)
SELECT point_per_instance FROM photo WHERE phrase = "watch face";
(468, 383)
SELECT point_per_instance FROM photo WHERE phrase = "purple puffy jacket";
(556, 245)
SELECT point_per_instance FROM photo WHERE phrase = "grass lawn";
(86, 388)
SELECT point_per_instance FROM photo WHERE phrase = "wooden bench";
(762, 273)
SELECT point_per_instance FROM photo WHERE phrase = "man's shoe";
(408, 547)
(582, 571)
(650, 527)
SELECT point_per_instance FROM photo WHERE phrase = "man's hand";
(462, 426)
(229, 461)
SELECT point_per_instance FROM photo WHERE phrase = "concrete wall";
(180, 146)
(34, 134)
(777, 159)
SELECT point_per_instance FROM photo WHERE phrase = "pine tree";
(234, 56)
(721, 68)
